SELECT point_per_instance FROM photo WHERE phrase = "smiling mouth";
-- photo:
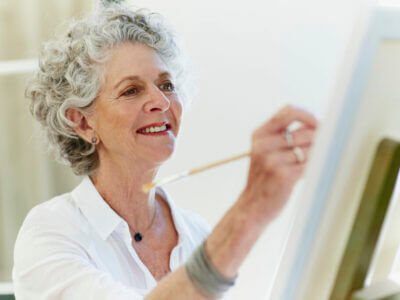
(155, 129)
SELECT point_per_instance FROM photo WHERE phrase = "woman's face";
(137, 114)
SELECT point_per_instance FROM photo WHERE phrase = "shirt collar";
(100, 215)
(180, 224)
(105, 220)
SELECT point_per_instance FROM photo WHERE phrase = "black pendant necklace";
(138, 236)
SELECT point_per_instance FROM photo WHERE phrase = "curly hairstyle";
(70, 73)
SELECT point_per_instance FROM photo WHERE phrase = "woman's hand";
(275, 166)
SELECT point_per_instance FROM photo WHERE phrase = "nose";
(157, 100)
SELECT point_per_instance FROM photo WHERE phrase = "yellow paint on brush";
(147, 187)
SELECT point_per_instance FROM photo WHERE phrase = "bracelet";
(204, 276)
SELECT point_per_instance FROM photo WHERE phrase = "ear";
(83, 129)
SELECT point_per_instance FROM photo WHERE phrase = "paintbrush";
(147, 187)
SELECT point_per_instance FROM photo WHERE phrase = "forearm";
(233, 237)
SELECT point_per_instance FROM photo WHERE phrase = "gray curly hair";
(70, 73)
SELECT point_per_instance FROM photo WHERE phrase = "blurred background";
(249, 60)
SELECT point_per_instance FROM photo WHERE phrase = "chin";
(161, 156)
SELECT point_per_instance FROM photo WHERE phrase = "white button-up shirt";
(75, 246)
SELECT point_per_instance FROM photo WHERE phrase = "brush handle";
(149, 186)
(218, 163)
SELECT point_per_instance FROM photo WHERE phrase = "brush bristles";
(147, 187)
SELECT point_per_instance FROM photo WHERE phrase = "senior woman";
(110, 94)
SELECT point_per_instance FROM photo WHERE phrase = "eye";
(130, 92)
(168, 86)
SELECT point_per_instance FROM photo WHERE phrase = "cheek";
(110, 121)
(176, 108)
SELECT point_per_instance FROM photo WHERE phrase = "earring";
(94, 140)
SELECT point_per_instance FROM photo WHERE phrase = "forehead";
(133, 59)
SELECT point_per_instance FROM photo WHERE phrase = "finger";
(283, 118)
(286, 157)
(301, 137)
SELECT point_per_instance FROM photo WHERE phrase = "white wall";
(251, 58)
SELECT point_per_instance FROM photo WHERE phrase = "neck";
(120, 185)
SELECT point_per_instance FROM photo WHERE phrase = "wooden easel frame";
(366, 229)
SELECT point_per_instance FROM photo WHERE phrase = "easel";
(366, 229)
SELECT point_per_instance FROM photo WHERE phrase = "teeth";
(154, 129)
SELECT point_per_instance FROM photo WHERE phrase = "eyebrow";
(135, 77)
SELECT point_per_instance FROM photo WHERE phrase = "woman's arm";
(274, 170)
(50, 264)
